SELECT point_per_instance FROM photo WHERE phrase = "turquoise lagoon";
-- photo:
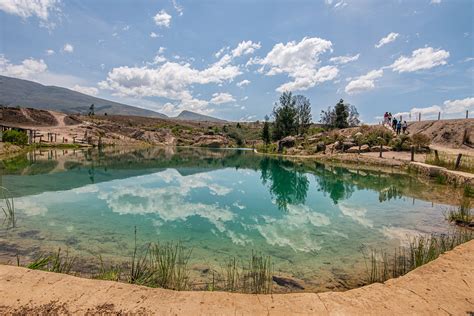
(314, 220)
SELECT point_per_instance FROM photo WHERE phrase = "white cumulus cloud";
(49, 52)
(387, 39)
(450, 108)
(162, 19)
(26, 70)
(300, 61)
(28, 8)
(363, 83)
(68, 48)
(219, 98)
(245, 48)
(86, 90)
(458, 106)
(242, 83)
(340, 60)
(420, 59)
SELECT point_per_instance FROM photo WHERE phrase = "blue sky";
(232, 59)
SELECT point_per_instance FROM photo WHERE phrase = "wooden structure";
(32, 134)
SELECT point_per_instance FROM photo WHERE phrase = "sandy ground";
(442, 287)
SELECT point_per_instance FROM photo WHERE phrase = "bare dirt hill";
(446, 133)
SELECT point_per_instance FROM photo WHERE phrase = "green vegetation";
(109, 273)
(448, 161)
(254, 276)
(266, 132)
(341, 116)
(292, 116)
(421, 250)
(420, 140)
(169, 264)
(286, 117)
(371, 135)
(462, 214)
(8, 207)
(54, 262)
(15, 137)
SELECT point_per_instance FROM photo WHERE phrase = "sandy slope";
(444, 286)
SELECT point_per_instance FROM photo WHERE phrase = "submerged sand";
(444, 286)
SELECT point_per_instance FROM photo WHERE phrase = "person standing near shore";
(394, 123)
(404, 127)
(399, 127)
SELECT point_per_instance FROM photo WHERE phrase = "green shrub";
(400, 143)
(420, 140)
(15, 137)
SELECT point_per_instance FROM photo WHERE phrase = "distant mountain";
(191, 116)
(26, 93)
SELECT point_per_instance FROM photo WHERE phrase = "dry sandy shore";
(444, 286)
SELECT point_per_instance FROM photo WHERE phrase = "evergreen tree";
(91, 110)
(303, 107)
(266, 131)
(341, 115)
(286, 117)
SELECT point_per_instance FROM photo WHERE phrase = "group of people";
(396, 125)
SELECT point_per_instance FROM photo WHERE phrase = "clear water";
(313, 219)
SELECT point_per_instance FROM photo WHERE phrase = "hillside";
(192, 116)
(18, 92)
(448, 133)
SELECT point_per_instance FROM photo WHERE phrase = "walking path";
(444, 286)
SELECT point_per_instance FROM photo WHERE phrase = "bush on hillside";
(15, 137)
(421, 140)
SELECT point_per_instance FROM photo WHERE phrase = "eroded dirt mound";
(447, 133)
(27, 117)
(72, 120)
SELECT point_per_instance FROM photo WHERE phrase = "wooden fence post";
(439, 116)
(412, 151)
(467, 113)
(419, 117)
(458, 161)
(381, 148)
(436, 156)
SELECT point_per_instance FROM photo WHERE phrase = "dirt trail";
(59, 117)
(441, 287)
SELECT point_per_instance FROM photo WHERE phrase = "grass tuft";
(54, 262)
(8, 208)
(421, 250)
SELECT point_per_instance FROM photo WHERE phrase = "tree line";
(292, 116)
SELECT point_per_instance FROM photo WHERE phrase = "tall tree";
(286, 117)
(353, 119)
(266, 131)
(341, 115)
(91, 110)
(303, 107)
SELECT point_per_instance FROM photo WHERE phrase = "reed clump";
(422, 249)
(54, 262)
(108, 272)
(462, 214)
(160, 265)
(254, 275)
(8, 207)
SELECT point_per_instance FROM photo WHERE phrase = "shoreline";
(438, 287)
(451, 177)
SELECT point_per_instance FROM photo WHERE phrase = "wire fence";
(418, 117)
